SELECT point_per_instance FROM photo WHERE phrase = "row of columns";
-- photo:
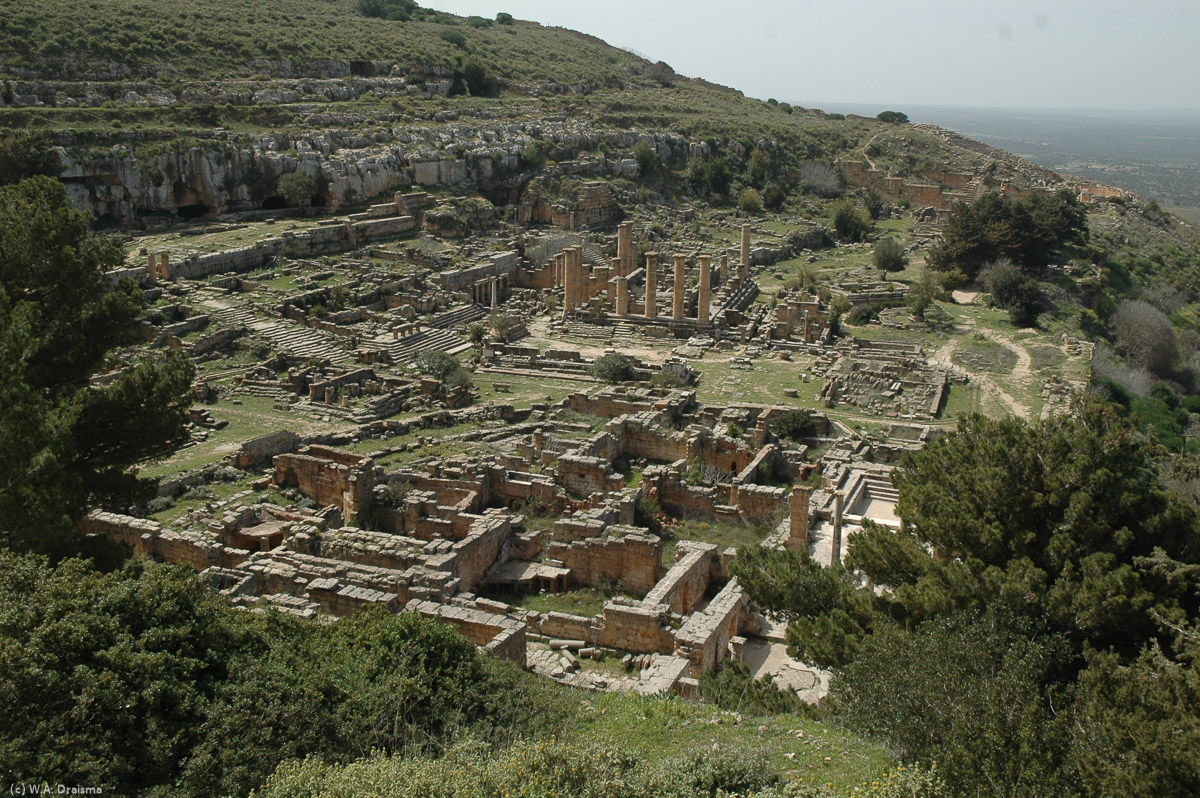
(158, 267)
(488, 290)
(570, 273)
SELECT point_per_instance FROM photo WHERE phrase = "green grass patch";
(722, 535)
(669, 727)
(981, 354)
(586, 601)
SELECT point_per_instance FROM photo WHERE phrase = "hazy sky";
(1112, 54)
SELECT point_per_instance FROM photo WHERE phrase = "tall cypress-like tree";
(71, 442)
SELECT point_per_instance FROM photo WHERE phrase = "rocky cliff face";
(234, 172)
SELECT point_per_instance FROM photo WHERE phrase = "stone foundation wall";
(631, 559)
(564, 626)
(149, 540)
(473, 555)
(343, 601)
(704, 637)
(502, 636)
(360, 546)
(684, 585)
(328, 476)
(261, 449)
(582, 476)
(639, 629)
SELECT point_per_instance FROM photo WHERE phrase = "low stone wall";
(638, 628)
(263, 448)
(504, 637)
(150, 540)
(360, 546)
(583, 476)
(632, 559)
(704, 637)
(343, 601)
(569, 627)
(684, 585)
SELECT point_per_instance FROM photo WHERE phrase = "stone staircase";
(593, 332)
(975, 189)
(294, 339)
(622, 336)
(402, 349)
(458, 318)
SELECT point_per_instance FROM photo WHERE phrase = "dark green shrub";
(612, 368)
(851, 222)
(400, 10)
(646, 157)
(749, 201)
(889, 255)
(794, 424)
(453, 37)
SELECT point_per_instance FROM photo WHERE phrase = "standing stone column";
(152, 269)
(705, 289)
(604, 283)
(623, 240)
(495, 292)
(798, 523)
(558, 271)
(569, 277)
(581, 277)
(839, 500)
(622, 296)
(677, 304)
(651, 284)
(744, 264)
(723, 275)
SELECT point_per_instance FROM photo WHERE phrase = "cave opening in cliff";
(274, 204)
(189, 212)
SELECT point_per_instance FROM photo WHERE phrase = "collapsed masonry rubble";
(551, 510)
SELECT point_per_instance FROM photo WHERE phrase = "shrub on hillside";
(851, 222)
(297, 188)
(613, 367)
(401, 10)
(646, 157)
(889, 255)
(749, 201)
(143, 682)
(794, 424)
(1146, 337)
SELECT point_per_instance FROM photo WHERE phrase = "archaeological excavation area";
(392, 413)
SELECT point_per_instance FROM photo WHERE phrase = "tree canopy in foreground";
(71, 443)
(1032, 625)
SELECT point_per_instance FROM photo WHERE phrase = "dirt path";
(1022, 372)
(864, 151)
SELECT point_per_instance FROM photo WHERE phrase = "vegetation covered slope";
(106, 39)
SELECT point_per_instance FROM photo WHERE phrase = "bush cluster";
(143, 680)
